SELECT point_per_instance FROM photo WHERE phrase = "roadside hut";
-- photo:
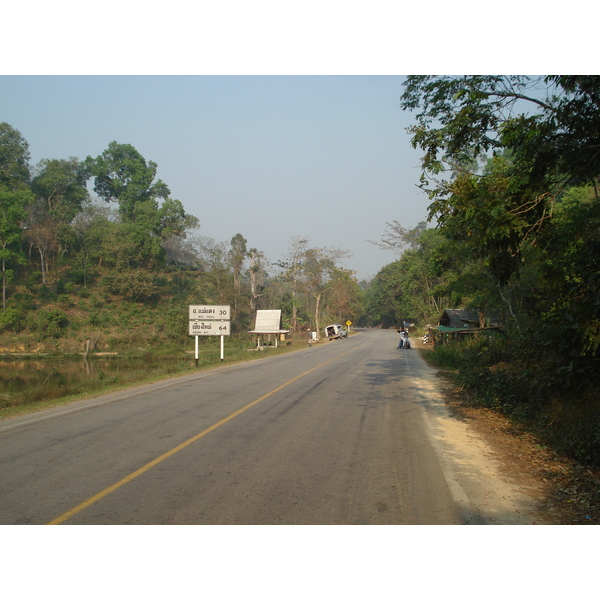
(268, 323)
(464, 318)
(458, 323)
(460, 318)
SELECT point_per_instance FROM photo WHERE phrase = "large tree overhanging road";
(350, 432)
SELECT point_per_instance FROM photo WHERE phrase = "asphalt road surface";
(347, 432)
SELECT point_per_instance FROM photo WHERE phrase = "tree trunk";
(41, 251)
(506, 299)
(294, 310)
(317, 316)
(3, 285)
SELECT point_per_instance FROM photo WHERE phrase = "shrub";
(45, 293)
(49, 323)
(65, 300)
(22, 301)
(33, 281)
(96, 302)
(12, 319)
(507, 376)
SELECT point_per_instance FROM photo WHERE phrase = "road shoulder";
(561, 491)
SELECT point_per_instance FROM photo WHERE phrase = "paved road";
(336, 434)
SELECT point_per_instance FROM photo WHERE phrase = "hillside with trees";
(98, 249)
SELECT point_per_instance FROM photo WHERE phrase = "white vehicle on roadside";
(335, 332)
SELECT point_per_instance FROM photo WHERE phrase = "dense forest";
(98, 249)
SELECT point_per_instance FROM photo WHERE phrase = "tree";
(172, 220)
(292, 270)
(257, 273)
(524, 213)
(41, 236)
(318, 266)
(434, 274)
(60, 185)
(15, 196)
(180, 251)
(397, 238)
(214, 260)
(384, 296)
(13, 205)
(60, 193)
(122, 175)
(237, 255)
(14, 158)
(568, 256)
(550, 126)
(83, 241)
(344, 296)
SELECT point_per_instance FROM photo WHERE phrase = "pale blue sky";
(304, 144)
(323, 157)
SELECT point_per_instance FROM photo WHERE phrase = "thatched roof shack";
(465, 318)
(458, 323)
(459, 318)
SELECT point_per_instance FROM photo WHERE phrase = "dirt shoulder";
(568, 493)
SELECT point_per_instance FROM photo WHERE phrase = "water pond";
(31, 379)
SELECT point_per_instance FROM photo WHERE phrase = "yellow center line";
(158, 460)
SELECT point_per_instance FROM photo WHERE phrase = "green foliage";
(344, 297)
(549, 146)
(23, 301)
(60, 185)
(64, 300)
(48, 323)
(504, 373)
(384, 297)
(45, 293)
(121, 174)
(14, 199)
(434, 273)
(13, 319)
(176, 323)
(14, 158)
(32, 281)
(531, 216)
(571, 250)
(76, 269)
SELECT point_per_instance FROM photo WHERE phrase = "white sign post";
(209, 320)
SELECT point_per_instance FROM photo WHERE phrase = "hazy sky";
(266, 119)
(270, 157)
